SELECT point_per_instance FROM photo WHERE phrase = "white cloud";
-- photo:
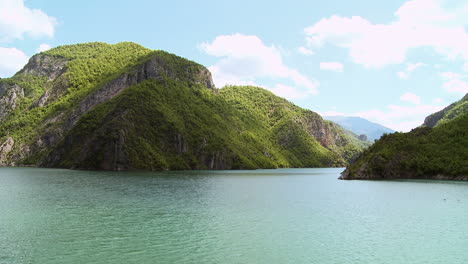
(453, 83)
(450, 75)
(418, 23)
(403, 75)
(305, 51)
(410, 67)
(438, 100)
(465, 67)
(43, 47)
(400, 118)
(456, 86)
(287, 92)
(331, 66)
(245, 59)
(12, 60)
(410, 97)
(17, 20)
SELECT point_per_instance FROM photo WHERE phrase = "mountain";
(448, 113)
(361, 126)
(125, 107)
(438, 150)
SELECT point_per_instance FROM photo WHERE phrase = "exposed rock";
(326, 133)
(48, 139)
(154, 68)
(181, 145)
(206, 79)
(43, 99)
(217, 160)
(5, 149)
(114, 153)
(53, 90)
(2, 87)
(174, 124)
(362, 137)
(22, 152)
(433, 120)
(45, 65)
(9, 99)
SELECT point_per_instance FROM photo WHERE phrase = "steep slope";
(361, 126)
(43, 95)
(438, 152)
(279, 116)
(119, 107)
(448, 113)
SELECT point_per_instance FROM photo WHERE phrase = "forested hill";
(438, 150)
(450, 112)
(122, 107)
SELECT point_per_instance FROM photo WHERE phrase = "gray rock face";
(433, 120)
(206, 79)
(3, 86)
(115, 158)
(323, 132)
(5, 149)
(9, 99)
(154, 68)
(52, 68)
(43, 65)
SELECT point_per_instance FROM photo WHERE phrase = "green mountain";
(360, 126)
(448, 113)
(122, 106)
(438, 150)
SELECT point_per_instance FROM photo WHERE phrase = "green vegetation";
(89, 66)
(450, 112)
(278, 115)
(171, 118)
(424, 152)
(169, 125)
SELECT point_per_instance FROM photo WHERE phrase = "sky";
(391, 62)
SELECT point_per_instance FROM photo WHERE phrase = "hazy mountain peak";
(360, 126)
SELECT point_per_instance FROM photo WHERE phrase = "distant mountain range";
(360, 126)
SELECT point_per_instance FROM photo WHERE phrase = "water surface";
(262, 216)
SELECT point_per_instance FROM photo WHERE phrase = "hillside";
(361, 126)
(448, 113)
(122, 107)
(438, 152)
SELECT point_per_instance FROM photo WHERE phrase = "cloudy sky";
(392, 62)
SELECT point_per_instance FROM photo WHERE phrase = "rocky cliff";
(448, 113)
(122, 106)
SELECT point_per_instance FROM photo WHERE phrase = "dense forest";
(438, 149)
(122, 106)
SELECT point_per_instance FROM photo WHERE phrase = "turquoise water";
(263, 216)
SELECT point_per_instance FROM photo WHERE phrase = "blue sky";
(392, 62)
